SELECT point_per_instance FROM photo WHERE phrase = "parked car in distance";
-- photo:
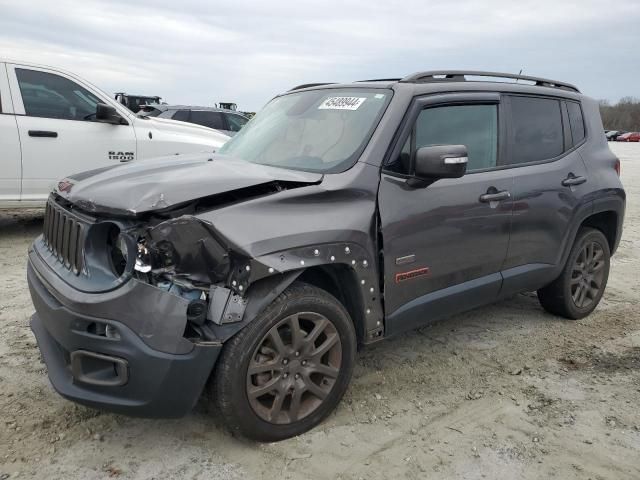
(623, 137)
(54, 124)
(136, 102)
(342, 214)
(152, 109)
(226, 121)
(227, 106)
(629, 137)
(613, 135)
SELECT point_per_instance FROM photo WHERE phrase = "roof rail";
(460, 76)
(309, 85)
(379, 80)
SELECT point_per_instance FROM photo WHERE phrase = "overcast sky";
(201, 52)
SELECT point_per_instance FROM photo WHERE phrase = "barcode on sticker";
(342, 103)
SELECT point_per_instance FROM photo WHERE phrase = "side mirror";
(107, 114)
(441, 161)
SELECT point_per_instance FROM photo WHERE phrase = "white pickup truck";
(54, 124)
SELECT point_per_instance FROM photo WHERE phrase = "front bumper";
(120, 373)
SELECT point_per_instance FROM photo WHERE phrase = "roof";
(193, 107)
(137, 95)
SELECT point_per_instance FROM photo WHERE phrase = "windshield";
(316, 130)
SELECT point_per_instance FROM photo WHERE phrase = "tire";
(579, 288)
(306, 386)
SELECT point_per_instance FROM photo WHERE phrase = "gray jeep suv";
(340, 215)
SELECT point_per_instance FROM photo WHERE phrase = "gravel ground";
(506, 391)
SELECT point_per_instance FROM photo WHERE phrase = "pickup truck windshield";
(316, 130)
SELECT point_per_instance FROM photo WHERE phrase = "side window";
(182, 115)
(577, 122)
(208, 119)
(236, 122)
(536, 129)
(475, 126)
(52, 96)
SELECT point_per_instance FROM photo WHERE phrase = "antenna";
(519, 73)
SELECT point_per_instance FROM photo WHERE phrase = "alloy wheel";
(294, 368)
(587, 276)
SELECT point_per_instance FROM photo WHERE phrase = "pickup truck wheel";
(288, 369)
(579, 288)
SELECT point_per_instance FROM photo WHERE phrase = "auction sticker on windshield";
(342, 103)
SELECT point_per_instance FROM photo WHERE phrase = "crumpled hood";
(160, 183)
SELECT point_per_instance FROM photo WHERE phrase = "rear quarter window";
(576, 121)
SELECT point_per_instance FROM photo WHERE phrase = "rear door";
(10, 159)
(59, 136)
(444, 244)
(550, 185)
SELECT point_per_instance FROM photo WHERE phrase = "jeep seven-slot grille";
(63, 236)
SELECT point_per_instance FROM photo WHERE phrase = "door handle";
(572, 180)
(494, 196)
(43, 133)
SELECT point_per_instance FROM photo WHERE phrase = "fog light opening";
(103, 330)
(111, 332)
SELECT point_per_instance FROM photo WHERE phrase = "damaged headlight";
(143, 261)
(118, 245)
(186, 246)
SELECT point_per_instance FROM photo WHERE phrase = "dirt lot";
(506, 391)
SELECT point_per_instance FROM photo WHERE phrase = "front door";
(444, 244)
(58, 131)
(10, 167)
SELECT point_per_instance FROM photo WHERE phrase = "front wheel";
(289, 368)
(579, 288)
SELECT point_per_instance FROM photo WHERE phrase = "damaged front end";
(131, 313)
(187, 257)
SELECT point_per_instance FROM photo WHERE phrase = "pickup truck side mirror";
(441, 161)
(107, 114)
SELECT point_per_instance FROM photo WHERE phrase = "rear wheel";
(580, 286)
(289, 368)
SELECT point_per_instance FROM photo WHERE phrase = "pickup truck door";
(444, 244)
(55, 114)
(10, 166)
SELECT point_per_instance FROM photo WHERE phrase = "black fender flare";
(260, 280)
(614, 203)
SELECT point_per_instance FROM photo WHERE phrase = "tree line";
(624, 115)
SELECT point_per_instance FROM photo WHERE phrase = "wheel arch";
(607, 223)
(346, 270)
(605, 214)
(341, 282)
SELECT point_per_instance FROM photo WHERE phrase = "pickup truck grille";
(64, 237)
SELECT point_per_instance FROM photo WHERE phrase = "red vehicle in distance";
(629, 137)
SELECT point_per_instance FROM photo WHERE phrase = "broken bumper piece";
(105, 364)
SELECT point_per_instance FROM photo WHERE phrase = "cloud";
(203, 52)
